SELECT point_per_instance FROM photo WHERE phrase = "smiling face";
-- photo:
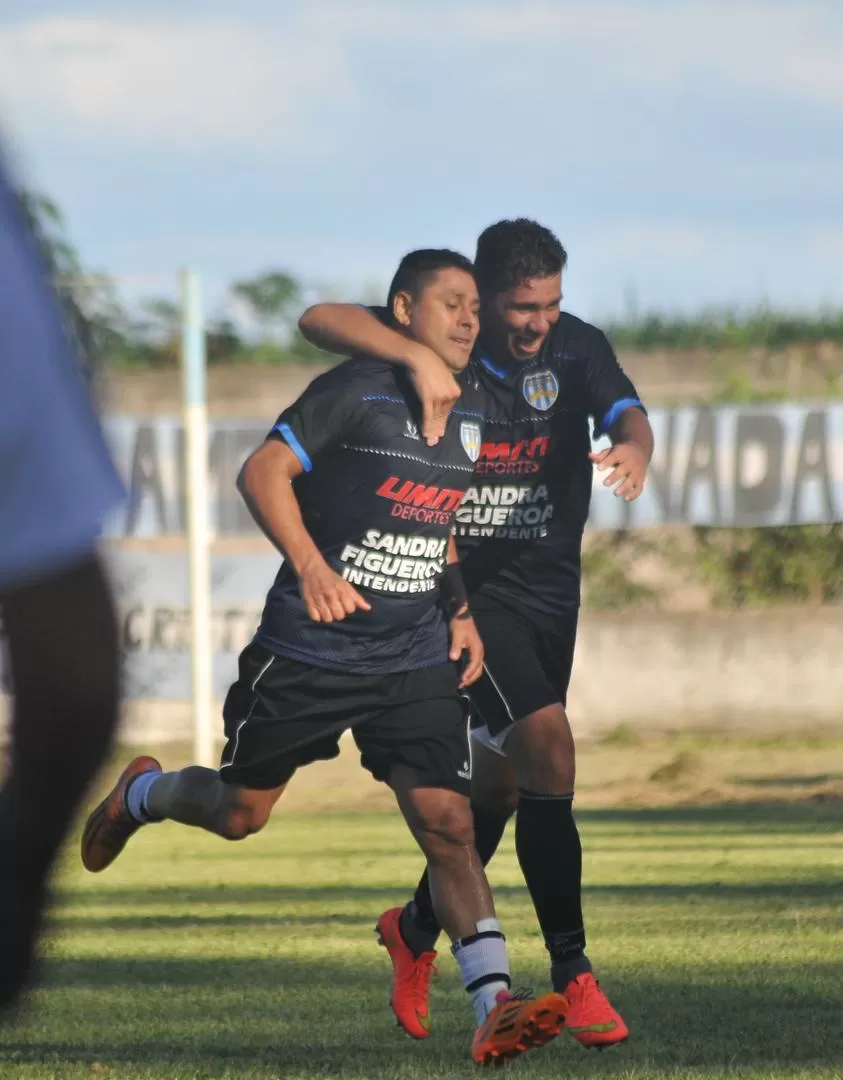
(516, 322)
(444, 314)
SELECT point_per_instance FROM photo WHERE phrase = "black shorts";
(527, 666)
(282, 714)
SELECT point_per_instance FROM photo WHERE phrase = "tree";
(94, 318)
(273, 300)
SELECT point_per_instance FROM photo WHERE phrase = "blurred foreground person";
(57, 483)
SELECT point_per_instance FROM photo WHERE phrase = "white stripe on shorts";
(243, 722)
(500, 693)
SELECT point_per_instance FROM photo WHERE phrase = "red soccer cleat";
(410, 977)
(592, 1020)
(518, 1023)
(109, 826)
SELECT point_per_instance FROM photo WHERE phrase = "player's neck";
(497, 359)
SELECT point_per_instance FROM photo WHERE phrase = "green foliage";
(273, 299)
(797, 564)
(728, 328)
(739, 388)
(609, 585)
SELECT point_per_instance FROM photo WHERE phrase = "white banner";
(724, 465)
(152, 592)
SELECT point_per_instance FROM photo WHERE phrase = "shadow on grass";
(786, 781)
(198, 1014)
(63, 922)
(821, 813)
(365, 898)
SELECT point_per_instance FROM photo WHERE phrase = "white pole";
(196, 448)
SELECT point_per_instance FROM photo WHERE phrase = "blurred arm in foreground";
(57, 483)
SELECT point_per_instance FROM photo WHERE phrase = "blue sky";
(691, 152)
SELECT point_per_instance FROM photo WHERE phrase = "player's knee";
(445, 830)
(497, 800)
(241, 821)
(542, 753)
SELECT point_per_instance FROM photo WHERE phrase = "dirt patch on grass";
(618, 772)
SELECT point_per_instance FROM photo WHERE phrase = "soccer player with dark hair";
(362, 630)
(519, 536)
(57, 483)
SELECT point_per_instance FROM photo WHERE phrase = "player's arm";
(349, 328)
(317, 422)
(464, 634)
(618, 412)
(266, 484)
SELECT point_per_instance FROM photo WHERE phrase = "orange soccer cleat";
(109, 827)
(410, 977)
(592, 1020)
(518, 1023)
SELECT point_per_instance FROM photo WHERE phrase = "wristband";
(452, 591)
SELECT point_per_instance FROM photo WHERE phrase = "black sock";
(548, 846)
(419, 926)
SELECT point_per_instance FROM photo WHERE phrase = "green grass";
(718, 930)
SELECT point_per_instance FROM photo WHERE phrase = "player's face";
(445, 316)
(516, 322)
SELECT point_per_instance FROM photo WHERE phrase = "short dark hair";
(511, 252)
(417, 267)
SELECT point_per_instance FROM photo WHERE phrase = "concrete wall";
(771, 670)
(765, 672)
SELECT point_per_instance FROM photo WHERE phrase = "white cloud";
(827, 244)
(792, 49)
(649, 240)
(309, 75)
(187, 83)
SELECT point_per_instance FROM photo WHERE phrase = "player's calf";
(197, 796)
(442, 824)
(193, 796)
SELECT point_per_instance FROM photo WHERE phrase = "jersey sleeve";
(324, 415)
(57, 481)
(381, 313)
(608, 391)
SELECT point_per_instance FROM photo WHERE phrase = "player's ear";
(402, 308)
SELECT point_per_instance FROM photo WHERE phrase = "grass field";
(716, 926)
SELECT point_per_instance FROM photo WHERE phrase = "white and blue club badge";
(470, 439)
(540, 389)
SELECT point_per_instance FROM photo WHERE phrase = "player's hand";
(628, 463)
(465, 638)
(437, 389)
(327, 596)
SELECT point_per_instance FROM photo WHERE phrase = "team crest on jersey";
(470, 438)
(541, 389)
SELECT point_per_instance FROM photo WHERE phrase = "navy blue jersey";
(57, 481)
(519, 530)
(380, 505)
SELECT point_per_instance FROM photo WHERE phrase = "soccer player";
(519, 535)
(57, 483)
(355, 635)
